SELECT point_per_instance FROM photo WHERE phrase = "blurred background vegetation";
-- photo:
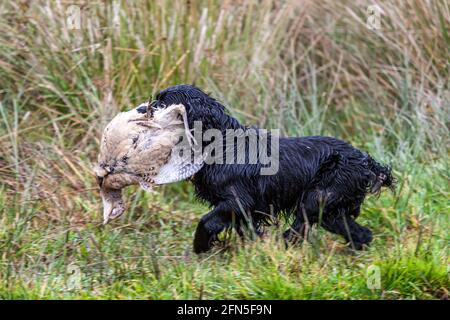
(306, 67)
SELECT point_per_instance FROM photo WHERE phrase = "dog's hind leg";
(343, 224)
(211, 225)
(307, 214)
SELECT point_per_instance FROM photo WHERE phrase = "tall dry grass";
(306, 67)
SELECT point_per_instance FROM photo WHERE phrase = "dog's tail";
(383, 176)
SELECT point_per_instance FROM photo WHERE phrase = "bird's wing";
(180, 166)
(183, 162)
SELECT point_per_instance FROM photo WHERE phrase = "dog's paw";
(203, 240)
(201, 244)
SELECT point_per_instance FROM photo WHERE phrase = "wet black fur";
(320, 180)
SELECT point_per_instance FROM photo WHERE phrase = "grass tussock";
(301, 66)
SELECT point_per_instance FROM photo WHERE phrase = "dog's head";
(199, 106)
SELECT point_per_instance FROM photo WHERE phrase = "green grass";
(276, 65)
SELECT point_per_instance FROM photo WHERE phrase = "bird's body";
(136, 149)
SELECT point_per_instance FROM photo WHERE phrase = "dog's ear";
(199, 110)
(199, 106)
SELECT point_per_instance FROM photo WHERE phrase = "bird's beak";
(113, 206)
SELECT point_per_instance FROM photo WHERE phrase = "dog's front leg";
(210, 226)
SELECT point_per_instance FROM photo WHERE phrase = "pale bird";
(137, 148)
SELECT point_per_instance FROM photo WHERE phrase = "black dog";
(320, 180)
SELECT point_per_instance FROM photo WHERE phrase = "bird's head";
(113, 205)
(111, 184)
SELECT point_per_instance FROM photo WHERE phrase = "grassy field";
(301, 66)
